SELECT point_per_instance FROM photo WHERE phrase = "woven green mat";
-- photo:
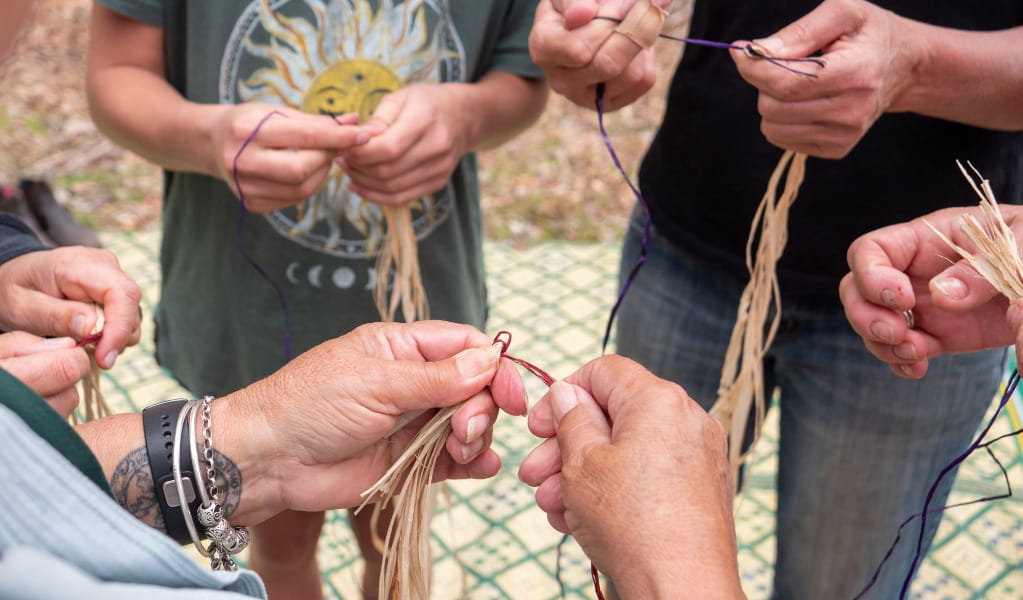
(492, 542)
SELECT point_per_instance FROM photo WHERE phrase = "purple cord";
(238, 234)
(644, 250)
(1010, 388)
(976, 445)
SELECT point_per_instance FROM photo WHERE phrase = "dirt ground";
(556, 181)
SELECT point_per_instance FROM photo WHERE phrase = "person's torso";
(708, 167)
(218, 317)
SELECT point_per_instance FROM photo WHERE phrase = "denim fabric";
(859, 447)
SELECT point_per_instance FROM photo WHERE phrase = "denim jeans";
(858, 447)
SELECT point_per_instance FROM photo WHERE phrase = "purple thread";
(1010, 388)
(644, 250)
(749, 49)
(241, 223)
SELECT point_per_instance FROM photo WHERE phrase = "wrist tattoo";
(132, 484)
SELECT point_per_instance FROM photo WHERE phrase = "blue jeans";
(858, 447)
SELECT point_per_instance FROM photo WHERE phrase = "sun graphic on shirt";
(340, 57)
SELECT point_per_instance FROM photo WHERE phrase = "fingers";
(1014, 316)
(50, 370)
(295, 129)
(542, 463)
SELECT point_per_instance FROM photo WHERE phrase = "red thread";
(89, 339)
(504, 338)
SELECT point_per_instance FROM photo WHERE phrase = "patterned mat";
(492, 543)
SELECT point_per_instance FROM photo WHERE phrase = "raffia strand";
(741, 393)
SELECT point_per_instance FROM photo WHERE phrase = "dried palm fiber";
(399, 254)
(741, 394)
(94, 406)
(997, 257)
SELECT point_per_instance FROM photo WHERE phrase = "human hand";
(55, 292)
(288, 158)
(418, 139)
(51, 367)
(577, 51)
(907, 266)
(870, 55)
(319, 429)
(638, 473)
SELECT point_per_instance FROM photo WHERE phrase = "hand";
(55, 292)
(318, 428)
(870, 55)
(638, 473)
(907, 266)
(577, 52)
(51, 367)
(419, 138)
(287, 160)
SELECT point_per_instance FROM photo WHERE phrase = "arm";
(907, 266)
(315, 434)
(638, 473)
(423, 131)
(879, 62)
(180, 135)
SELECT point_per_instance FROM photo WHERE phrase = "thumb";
(412, 386)
(959, 289)
(578, 420)
(816, 30)
(61, 317)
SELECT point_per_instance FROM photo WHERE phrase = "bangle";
(179, 484)
(226, 539)
(158, 423)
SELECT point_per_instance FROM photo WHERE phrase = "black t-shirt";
(16, 238)
(708, 166)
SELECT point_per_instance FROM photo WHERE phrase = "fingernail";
(563, 399)
(882, 331)
(79, 328)
(773, 45)
(952, 287)
(476, 426)
(906, 370)
(473, 362)
(906, 352)
(470, 450)
(362, 138)
(888, 298)
(110, 358)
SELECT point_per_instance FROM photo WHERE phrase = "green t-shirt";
(48, 424)
(219, 324)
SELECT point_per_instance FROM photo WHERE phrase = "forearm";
(131, 101)
(120, 446)
(172, 132)
(966, 76)
(499, 106)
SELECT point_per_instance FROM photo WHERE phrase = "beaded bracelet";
(225, 539)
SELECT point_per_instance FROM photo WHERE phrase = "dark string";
(645, 247)
(1010, 388)
(285, 312)
(751, 50)
(922, 515)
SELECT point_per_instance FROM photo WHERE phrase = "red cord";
(504, 338)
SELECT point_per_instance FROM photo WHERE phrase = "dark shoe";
(52, 217)
(13, 202)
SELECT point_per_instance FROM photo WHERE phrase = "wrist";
(202, 123)
(244, 449)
